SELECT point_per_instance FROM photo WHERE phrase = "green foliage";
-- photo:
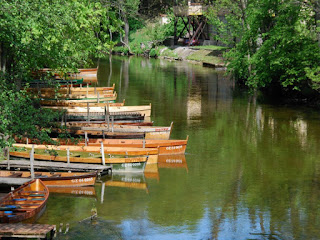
(60, 34)
(154, 52)
(278, 43)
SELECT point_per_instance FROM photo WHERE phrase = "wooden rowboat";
(103, 107)
(57, 179)
(103, 124)
(93, 149)
(76, 96)
(113, 117)
(82, 100)
(78, 159)
(79, 104)
(73, 90)
(166, 147)
(24, 203)
(150, 132)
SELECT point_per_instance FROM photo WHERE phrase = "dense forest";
(274, 45)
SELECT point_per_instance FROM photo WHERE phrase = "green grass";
(210, 47)
(205, 56)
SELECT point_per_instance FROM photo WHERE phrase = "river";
(251, 171)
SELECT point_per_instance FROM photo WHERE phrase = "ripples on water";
(252, 170)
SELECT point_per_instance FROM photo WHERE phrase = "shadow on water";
(253, 167)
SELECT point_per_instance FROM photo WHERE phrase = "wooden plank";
(26, 230)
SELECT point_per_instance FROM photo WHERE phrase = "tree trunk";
(126, 28)
(3, 58)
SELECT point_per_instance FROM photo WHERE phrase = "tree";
(42, 33)
(278, 45)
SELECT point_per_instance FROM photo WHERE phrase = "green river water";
(252, 169)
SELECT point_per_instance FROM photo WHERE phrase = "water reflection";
(253, 169)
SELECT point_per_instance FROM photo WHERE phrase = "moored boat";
(58, 179)
(103, 107)
(78, 158)
(79, 104)
(24, 202)
(150, 132)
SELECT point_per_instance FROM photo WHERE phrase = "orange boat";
(24, 203)
(55, 179)
(166, 147)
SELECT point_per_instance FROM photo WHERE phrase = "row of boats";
(103, 133)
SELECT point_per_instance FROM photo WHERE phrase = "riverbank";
(209, 56)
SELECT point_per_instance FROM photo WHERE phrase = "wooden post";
(95, 88)
(102, 153)
(68, 155)
(65, 119)
(98, 97)
(85, 138)
(105, 114)
(27, 141)
(31, 162)
(112, 123)
(103, 136)
(144, 143)
(8, 158)
(108, 115)
(88, 114)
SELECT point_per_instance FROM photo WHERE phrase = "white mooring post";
(102, 191)
(102, 153)
(31, 162)
(85, 138)
(88, 114)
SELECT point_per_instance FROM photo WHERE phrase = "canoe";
(24, 203)
(55, 178)
(103, 107)
(79, 104)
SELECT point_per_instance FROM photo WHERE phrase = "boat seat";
(37, 199)
(20, 199)
(37, 195)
